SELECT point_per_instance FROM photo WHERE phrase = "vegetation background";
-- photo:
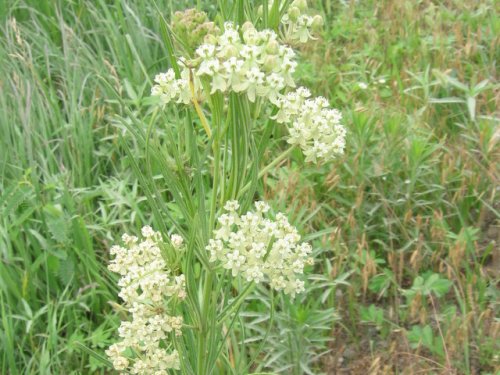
(408, 277)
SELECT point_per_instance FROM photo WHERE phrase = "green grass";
(415, 195)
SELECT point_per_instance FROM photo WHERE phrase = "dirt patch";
(373, 356)
(489, 244)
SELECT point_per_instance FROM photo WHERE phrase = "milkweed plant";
(227, 100)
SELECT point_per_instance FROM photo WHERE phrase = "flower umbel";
(245, 60)
(312, 125)
(260, 249)
(145, 282)
(256, 64)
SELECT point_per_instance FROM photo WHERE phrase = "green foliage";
(427, 284)
(424, 336)
(372, 314)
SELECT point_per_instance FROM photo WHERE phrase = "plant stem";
(276, 161)
(204, 335)
(197, 107)
(270, 166)
(236, 303)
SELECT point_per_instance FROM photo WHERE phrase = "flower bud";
(247, 26)
(230, 51)
(272, 47)
(250, 34)
(200, 17)
(294, 14)
(210, 39)
(301, 4)
(317, 22)
(270, 63)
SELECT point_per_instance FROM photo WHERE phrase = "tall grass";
(66, 186)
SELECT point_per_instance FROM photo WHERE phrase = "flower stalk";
(197, 107)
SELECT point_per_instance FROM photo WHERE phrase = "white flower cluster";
(254, 63)
(260, 249)
(312, 125)
(297, 24)
(168, 88)
(145, 283)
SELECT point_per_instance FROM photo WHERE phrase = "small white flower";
(206, 51)
(362, 85)
(254, 274)
(177, 241)
(302, 28)
(208, 67)
(231, 206)
(120, 363)
(255, 83)
(147, 231)
(234, 261)
(262, 206)
(230, 35)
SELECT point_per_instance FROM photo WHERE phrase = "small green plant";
(372, 314)
(425, 337)
(467, 94)
(427, 284)
(382, 282)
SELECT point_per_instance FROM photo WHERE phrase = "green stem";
(276, 161)
(236, 304)
(215, 187)
(197, 107)
(270, 166)
(204, 334)
(217, 159)
(208, 305)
